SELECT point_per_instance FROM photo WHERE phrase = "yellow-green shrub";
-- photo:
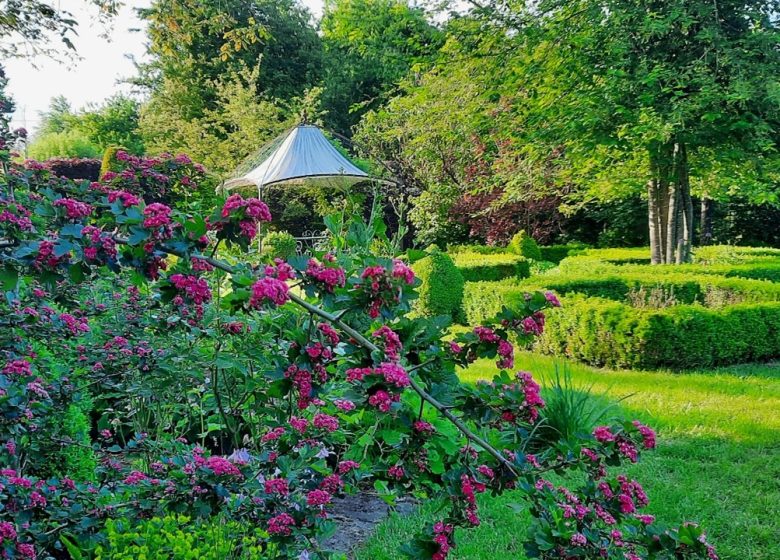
(441, 291)
(524, 245)
(279, 244)
(177, 537)
(109, 160)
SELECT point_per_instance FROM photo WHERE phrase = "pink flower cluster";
(647, 433)
(46, 259)
(442, 536)
(393, 374)
(280, 270)
(534, 325)
(18, 367)
(248, 212)
(469, 487)
(552, 298)
(391, 341)
(74, 209)
(194, 288)
(99, 246)
(325, 422)
(326, 274)
(76, 326)
(269, 289)
(127, 199)
(16, 215)
(317, 498)
(346, 466)
(329, 333)
(624, 445)
(383, 400)
(424, 428)
(531, 395)
(382, 288)
(397, 472)
(281, 524)
(302, 381)
(506, 353)
(157, 215)
(222, 467)
(276, 486)
(402, 271)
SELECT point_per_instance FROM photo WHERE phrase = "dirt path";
(356, 517)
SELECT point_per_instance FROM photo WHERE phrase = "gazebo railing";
(309, 240)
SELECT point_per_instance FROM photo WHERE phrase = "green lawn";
(718, 460)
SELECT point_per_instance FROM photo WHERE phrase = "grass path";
(718, 460)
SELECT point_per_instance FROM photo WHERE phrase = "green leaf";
(137, 236)
(72, 230)
(9, 278)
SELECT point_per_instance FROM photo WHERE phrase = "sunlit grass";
(718, 459)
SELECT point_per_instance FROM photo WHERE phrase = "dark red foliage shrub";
(496, 224)
(74, 168)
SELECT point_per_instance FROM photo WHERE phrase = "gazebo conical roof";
(304, 156)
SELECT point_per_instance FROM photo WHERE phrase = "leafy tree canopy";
(370, 45)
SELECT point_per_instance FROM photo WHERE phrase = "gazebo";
(302, 155)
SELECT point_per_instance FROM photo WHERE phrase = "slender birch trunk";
(705, 221)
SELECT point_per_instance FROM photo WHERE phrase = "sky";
(91, 74)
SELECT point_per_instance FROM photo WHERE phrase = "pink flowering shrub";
(265, 392)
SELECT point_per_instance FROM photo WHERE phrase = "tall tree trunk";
(654, 214)
(705, 221)
(685, 228)
(665, 167)
(672, 222)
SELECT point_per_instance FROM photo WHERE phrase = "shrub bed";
(477, 267)
(608, 333)
(683, 288)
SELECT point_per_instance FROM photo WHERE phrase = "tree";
(243, 402)
(203, 52)
(88, 132)
(666, 97)
(369, 46)
(27, 26)
(221, 137)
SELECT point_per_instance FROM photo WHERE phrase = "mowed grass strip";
(717, 462)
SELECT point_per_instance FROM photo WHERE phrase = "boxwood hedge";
(609, 333)
(477, 267)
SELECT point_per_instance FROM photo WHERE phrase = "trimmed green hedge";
(608, 333)
(477, 267)
(729, 254)
(483, 300)
(441, 291)
(629, 255)
(760, 268)
(481, 249)
(556, 253)
(686, 288)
